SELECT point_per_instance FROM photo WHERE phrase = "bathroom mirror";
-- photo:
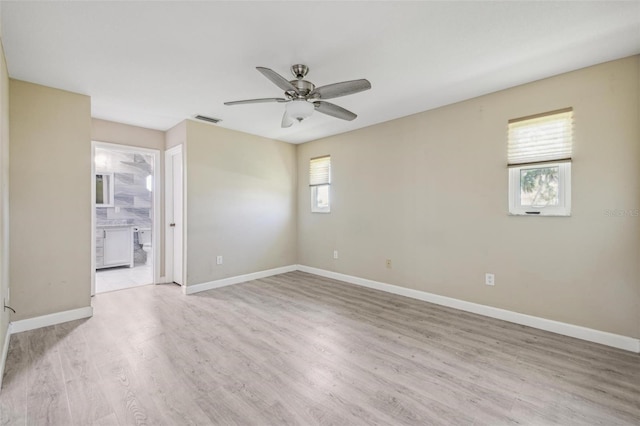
(104, 189)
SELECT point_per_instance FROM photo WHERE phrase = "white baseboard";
(237, 279)
(5, 352)
(51, 319)
(162, 280)
(579, 332)
(571, 330)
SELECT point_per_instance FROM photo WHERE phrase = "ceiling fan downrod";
(299, 70)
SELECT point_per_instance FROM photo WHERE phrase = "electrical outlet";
(489, 279)
(218, 260)
(335, 254)
(388, 263)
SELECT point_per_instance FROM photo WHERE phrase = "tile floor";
(111, 279)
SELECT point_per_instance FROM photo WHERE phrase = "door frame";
(168, 200)
(155, 195)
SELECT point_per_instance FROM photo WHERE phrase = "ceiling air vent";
(207, 119)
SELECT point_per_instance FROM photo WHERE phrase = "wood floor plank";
(163, 380)
(82, 380)
(306, 350)
(13, 396)
(130, 399)
(47, 400)
(110, 420)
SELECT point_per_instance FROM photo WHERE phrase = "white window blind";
(541, 138)
(320, 171)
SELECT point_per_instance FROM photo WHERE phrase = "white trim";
(185, 234)
(51, 319)
(92, 249)
(237, 279)
(162, 280)
(579, 332)
(156, 226)
(5, 352)
(571, 330)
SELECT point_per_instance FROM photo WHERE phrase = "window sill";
(545, 214)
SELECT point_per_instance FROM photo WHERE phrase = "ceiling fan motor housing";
(304, 88)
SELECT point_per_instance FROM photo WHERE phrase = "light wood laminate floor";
(300, 349)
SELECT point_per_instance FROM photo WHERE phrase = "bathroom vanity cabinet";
(114, 246)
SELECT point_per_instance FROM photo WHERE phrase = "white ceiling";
(153, 64)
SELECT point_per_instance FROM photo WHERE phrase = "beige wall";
(4, 200)
(177, 135)
(429, 192)
(240, 203)
(50, 175)
(124, 134)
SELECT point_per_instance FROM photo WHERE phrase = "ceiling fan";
(303, 97)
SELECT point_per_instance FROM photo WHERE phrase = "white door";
(174, 228)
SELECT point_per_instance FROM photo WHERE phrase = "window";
(539, 156)
(320, 182)
(104, 189)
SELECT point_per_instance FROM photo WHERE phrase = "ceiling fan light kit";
(302, 96)
(299, 109)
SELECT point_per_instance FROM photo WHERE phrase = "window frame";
(564, 191)
(320, 176)
(315, 208)
(535, 142)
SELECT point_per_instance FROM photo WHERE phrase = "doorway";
(125, 219)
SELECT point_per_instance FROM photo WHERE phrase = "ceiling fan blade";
(344, 88)
(334, 110)
(277, 79)
(286, 120)
(256, 101)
